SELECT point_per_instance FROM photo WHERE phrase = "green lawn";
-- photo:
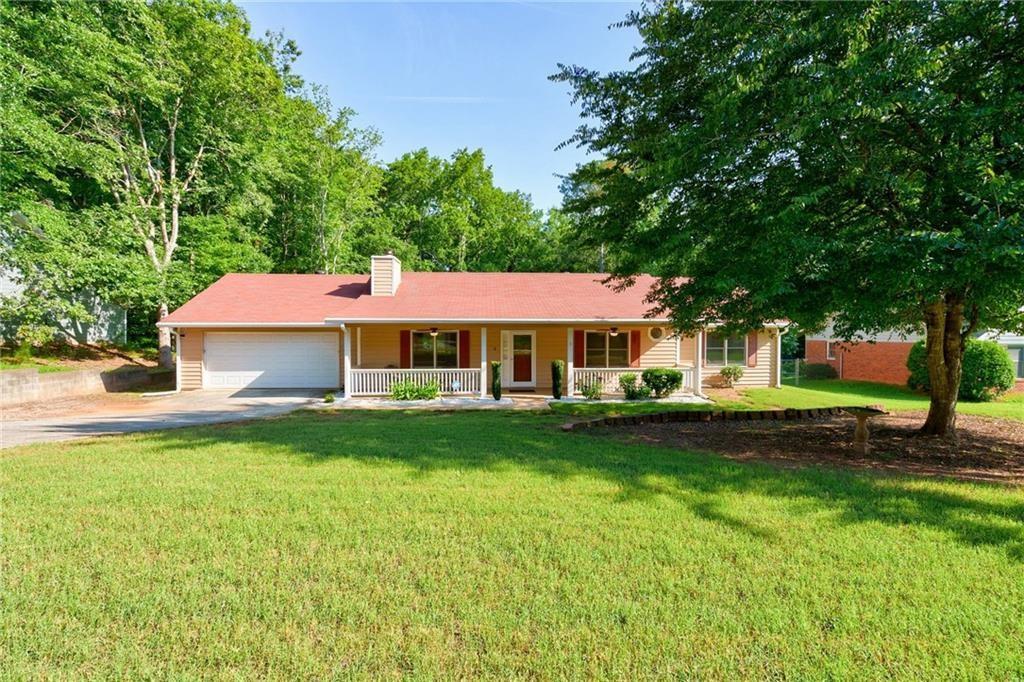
(810, 393)
(491, 544)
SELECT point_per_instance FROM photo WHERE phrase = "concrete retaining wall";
(27, 385)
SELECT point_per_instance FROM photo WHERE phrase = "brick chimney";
(385, 275)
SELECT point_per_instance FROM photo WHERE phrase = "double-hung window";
(438, 351)
(725, 350)
(604, 349)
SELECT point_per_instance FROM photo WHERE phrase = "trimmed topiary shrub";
(632, 389)
(988, 371)
(731, 374)
(557, 378)
(663, 382)
(496, 379)
(820, 370)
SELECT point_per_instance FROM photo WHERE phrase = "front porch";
(376, 357)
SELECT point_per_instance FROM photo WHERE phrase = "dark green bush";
(410, 390)
(496, 379)
(820, 370)
(988, 371)
(663, 382)
(632, 389)
(557, 378)
(592, 391)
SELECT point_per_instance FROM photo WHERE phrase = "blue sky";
(451, 75)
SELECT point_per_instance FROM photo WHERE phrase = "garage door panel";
(270, 360)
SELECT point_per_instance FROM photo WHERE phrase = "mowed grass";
(836, 393)
(472, 544)
(809, 394)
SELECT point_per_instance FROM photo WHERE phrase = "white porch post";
(483, 362)
(778, 357)
(347, 359)
(570, 375)
(698, 364)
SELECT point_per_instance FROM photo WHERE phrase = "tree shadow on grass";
(429, 442)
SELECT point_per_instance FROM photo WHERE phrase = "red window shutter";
(464, 348)
(405, 349)
(752, 349)
(703, 360)
(578, 357)
(634, 348)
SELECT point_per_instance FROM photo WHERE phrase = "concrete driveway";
(191, 408)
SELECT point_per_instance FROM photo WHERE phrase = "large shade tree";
(859, 162)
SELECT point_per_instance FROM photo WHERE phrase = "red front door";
(522, 358)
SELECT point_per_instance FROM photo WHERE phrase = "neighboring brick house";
(883, 357)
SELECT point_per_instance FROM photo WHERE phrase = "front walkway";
(515, 401)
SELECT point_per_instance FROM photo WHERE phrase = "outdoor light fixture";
(614, 331)
(433, 331)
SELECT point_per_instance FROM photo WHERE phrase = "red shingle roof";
(422, 296)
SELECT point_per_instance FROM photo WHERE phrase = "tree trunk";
(164, 340)
(944, 321)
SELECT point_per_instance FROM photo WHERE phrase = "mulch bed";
(987, 449)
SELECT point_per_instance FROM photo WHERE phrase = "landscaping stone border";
(705, 416)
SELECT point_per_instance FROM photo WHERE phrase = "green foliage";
(412, 390)
(496, 379)
(731, 374)
(149, 148)
(988, 371)
(557, 378)
(819, 370)
(851, 162)
(853, 575)
(592, 390)
(662, 380)
(632, 388)
(329, 397)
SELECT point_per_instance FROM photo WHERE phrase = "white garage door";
(270, 360)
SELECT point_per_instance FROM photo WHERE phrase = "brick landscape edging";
(705, 416)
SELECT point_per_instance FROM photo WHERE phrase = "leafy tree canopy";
(860, 162)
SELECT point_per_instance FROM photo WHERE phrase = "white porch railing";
(380, 381)
(609, 377)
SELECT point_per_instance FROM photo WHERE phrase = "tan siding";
(382, 274)
(762, 375)
(191, 359)
(688, 351)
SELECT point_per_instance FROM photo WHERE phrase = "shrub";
(557, 378)
(987, 370)
(496, 379)
(663, 382)
(329, 397)
(632, 389)
(410, 390)
(820, 370)
(591, 391)
(731, 374)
